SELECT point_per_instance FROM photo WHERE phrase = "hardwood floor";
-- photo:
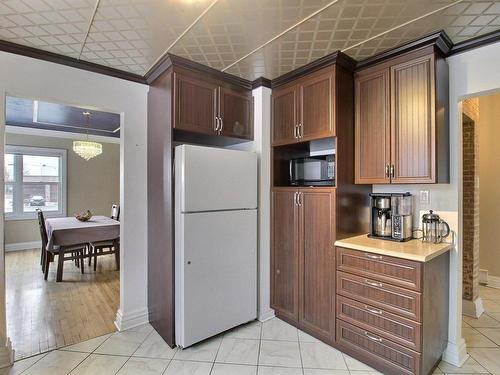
(44, 315)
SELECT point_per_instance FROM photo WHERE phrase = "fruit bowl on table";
(84, 216)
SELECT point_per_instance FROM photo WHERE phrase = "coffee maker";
(391, 216)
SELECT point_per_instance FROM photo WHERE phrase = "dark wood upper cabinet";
(284, 107)
(317, 106)
(401, 116)
(317, 261)
(413, 117)
(304, 109)
(195, 104)
(236, 110)
(372, 127)
(206, 106)
(285, 257)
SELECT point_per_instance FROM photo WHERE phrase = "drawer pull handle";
(374, 257)
(374, 283)
(373, 338)
(374, 311)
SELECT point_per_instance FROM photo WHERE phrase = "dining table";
(67, 231)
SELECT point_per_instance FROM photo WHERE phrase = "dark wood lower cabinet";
(317, 255)
(285, 259)
(395, 329)
(303, 260)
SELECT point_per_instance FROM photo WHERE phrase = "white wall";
(470, 74)
(488, 130)
(26, 77)
(262, 146)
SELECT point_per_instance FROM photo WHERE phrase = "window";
(34, 178)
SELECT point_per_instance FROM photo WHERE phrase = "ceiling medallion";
(87, 149)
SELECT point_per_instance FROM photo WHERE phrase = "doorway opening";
(51, 303)
(480, 212)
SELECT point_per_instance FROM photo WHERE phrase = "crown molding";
(337, 57)
(39, 54)
(261, 81)
(477, 42)
(171, 59)
(439, 39)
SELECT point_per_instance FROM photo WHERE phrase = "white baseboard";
(473, 308)
(456, 353)
(6, 354)
(23, 246)
(493, 281)
(265, 315)
(131, 319)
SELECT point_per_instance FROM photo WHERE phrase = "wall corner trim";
(6, 354)
(132, 319)
(265, 315)
(473, 308)
(456, 353)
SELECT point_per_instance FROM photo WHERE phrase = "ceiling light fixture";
(87, 149)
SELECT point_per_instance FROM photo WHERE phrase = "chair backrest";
(43, 230)
(115, 212)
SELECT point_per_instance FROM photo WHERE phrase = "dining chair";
(112, 246)
(96, 248)
(43, 235)
(115, 212)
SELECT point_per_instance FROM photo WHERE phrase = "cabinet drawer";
(384, 354)
(384, 296)
(396, 271)
(385, 324)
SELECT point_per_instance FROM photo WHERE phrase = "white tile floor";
(270, 348)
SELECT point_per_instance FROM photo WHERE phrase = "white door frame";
(36, 79)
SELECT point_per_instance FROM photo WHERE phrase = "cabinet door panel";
(317, 254)
(413, 121)
(285, 257)
(372, 128)
(284, 115)
(194, 104)
(236, 113)
(317, 106)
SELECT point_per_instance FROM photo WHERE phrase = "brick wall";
(470, 107)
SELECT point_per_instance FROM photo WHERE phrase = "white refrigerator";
(215, 241)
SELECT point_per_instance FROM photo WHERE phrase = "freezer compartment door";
(211, 179)
(216, 273)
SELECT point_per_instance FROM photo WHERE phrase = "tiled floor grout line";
(38, 360)
(216, 354)
(260, 344)
(73, 369)
(300, 353)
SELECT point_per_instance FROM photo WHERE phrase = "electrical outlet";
(425, 197)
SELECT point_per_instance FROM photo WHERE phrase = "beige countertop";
(412, 250)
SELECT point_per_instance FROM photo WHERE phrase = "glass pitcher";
(433, 228)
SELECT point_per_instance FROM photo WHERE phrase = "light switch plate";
(425, 197)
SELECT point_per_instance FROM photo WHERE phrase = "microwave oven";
(313, 171)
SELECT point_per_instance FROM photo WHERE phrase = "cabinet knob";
(278, 271)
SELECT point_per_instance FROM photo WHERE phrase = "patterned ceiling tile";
(233, 28)
(131, 34)
(345, 23)
(462, 21)
(53, 25)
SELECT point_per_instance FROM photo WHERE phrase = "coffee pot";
(433, 228)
